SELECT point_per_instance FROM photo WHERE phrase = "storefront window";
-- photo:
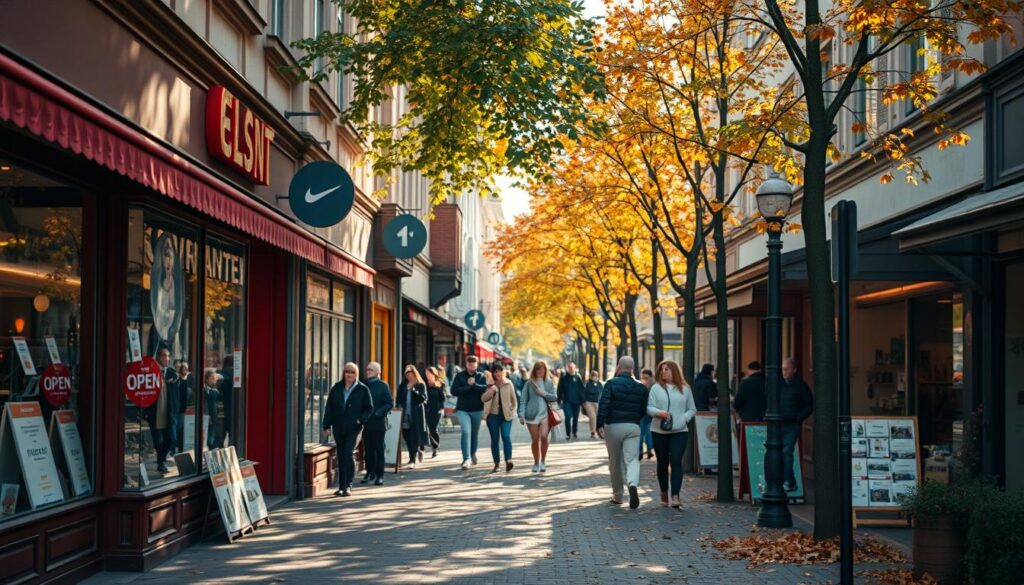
(224, 346)
(41, 248)
(160, 388)
(330, 331)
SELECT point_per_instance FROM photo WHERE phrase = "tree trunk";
(604, 360)
(725, 491)
(659, 339)
(634, 343)
(620, 349)
(823, 348)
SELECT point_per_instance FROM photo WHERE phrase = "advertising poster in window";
(707, 440)
(32, 444)
(51, 348)
(71, 447)
(885, 464)
(188, 429)
(167, 288)
(24, 356)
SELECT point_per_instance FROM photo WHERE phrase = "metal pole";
(774, 511)
(844, 230)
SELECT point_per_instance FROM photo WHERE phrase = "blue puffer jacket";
(624, 400)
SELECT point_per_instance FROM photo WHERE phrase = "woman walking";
(412, 398)
(670, 404)
(500, 408)
(435, 407)
(538, 394)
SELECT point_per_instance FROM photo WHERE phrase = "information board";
(228, 489)
(885, 460)
(393, 438)
(24, 356)
(254, 501)
(23, 425)
(708, 438)
(66, 427)
(754, 437)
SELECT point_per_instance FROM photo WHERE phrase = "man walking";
(623, 404)
(751, 402)
(468, 387)
(348, 408)
(570, 398)
(591, 396)
(376, 426)
(796, 403)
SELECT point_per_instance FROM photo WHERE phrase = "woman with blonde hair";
(436, 394)
(412, 398)
(538, 394)
(671, 406)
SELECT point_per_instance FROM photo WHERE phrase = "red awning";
(30, 101)
(484, 352)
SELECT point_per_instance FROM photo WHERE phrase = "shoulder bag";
(666, 423)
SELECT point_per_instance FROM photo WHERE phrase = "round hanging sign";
(474, 320)
(321, 193)
(143, 382)
(494, 338)
(405, 236)
(56, 384)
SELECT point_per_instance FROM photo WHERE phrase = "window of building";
(859, 112)
(329, 344)
(277, 18)
(42, 366)
(160, 427)
(223, 375)
(917, 61)
(341, 74)
(319, 24)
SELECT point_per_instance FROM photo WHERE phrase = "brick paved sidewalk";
(439, 524)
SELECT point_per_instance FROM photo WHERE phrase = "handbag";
(555, 417)
(666, 423)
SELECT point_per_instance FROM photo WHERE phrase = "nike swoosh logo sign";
(314, 197)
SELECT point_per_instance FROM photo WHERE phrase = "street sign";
(494, 338)
(474, 320)
(321, 194)
(405, 236)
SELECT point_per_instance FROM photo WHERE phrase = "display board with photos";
(237, 491)
(885, 460)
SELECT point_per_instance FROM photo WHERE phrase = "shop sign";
(236, 368)
(71, 444)
(417, 317)
(32, 444)
(321, 194)
(474, 320)
(143, 382)
(134, 344)
(494, 338)
(56, 384)
(236, 136)
(25, 356)
(405, 236)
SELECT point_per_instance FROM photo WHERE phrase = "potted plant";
(940, 513)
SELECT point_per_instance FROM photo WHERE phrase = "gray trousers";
(623, 442)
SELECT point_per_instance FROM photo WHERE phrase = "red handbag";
(555, 417)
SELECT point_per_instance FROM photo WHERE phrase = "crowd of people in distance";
(634, 417)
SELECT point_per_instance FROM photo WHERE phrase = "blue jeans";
(469, 425)
(790, 434)
(572, 419)
(645, 435)
(497, 425)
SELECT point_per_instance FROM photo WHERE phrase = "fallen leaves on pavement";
(801, 549)
(896, 577)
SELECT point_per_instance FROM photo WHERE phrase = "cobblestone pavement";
(439, 524)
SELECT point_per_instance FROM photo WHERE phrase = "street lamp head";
(774, 197)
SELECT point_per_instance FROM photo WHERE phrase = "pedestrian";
(376, 426)
(412, 399)
(211, 395)
(467, 387)
(570, 398)
(704, 388)
(796, 403)
(436, 395)
(751, 401)
(671, 404)
(538, 394)
(500, 407)
(519, 380)
(646, 438)
(349, 406)
(623, 404)
(161, 415)
(591, 396)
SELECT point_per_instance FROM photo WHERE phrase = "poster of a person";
(167, 288)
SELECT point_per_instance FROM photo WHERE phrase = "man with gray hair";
(376, 426)
(623, 404)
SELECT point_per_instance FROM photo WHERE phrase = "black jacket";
(179, 396)
(570, 389)
(380, 392)
(751, 401)
(469, 396)
(592, 391)
(704, 391)
(435, 398)
(795, 400)
(347, 418)
(417, 416)
(624, 400)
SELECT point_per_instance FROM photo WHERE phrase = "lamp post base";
(774, 515)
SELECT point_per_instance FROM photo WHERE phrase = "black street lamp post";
(774, 197)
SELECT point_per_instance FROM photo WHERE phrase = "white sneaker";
(465, 464)
(474, 459)
(412, 465)
(536, 467)
(543, 467)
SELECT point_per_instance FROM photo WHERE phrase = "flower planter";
(939, 549)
